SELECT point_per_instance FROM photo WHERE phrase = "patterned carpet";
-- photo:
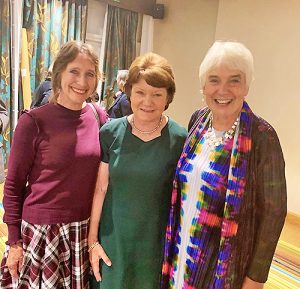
(285, 269)
(284, 273)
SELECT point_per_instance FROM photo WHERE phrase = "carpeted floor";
(285, 269)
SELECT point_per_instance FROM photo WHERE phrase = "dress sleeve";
(271, 202)
(105, 140)
(21, 159)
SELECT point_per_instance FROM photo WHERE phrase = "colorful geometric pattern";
(225, 176)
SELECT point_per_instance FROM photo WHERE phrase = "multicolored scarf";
(239, 149)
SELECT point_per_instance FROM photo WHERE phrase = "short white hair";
(122, 77)
(231, 54)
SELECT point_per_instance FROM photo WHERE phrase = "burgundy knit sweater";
(56, 152)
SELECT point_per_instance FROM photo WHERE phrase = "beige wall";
(271, 29)
(95, 23)
(183, 37)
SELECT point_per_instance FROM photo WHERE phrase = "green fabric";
(120, 46)
(136, 207)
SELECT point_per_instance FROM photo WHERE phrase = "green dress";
(137, 203)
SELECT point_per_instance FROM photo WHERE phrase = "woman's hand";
(15, 260)
(96, 254)
(95, 249)
(250, 284)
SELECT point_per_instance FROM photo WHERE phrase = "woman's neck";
(149, 131)
(70, 105)
(144, 125)
(221, 123)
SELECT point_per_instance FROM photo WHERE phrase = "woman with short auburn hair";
(131, 201)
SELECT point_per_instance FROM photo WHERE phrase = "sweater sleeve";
(271, 203)
(103, 116)
(20, 162)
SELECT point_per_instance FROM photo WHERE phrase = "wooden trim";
(94, 37)
(293, 218)
(140, 6)
(294, 250)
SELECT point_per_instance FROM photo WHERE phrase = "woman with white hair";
(229, 185)
(121, 106)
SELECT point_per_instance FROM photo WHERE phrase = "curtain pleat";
(5, 68)
(50, 24)
(120, 47)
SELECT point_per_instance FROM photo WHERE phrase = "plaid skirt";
(55, 256)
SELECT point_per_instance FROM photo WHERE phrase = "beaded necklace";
(213, 140)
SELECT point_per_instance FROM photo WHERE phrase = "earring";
(203, 99)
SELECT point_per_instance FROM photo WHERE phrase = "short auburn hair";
(155, 70)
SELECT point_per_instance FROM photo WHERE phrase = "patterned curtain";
(50, 24)
(120, 46)
(5, 79)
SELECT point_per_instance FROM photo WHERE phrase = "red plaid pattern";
(55, 256)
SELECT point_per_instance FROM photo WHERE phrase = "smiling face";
(78, 82)
(225, 90)
(147, 102)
